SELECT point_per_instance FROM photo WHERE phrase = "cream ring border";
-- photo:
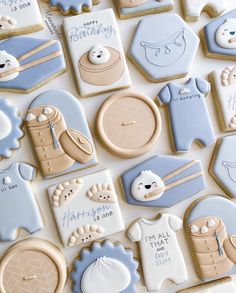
(130, 153)
(37, 245)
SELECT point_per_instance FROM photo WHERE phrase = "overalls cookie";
(60, 134)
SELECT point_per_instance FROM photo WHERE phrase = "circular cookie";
(128, 124)
(32, 265)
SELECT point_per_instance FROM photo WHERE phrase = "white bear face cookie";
(99, 55)
(7, 63)
(226, 34)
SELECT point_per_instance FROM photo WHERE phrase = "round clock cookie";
(31, 266)
(128, 124)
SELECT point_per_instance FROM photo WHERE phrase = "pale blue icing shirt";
(18, 207)
(188, 113)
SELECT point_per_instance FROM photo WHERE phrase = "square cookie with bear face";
(96, 51)
(86, 208)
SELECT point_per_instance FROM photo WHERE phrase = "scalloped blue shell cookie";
(10, 129)
(105, 267)
(72, 6)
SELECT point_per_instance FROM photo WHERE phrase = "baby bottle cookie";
(60, 133)
(92, 196)
(10, 129)
(105, 267)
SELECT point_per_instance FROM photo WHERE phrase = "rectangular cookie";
(96, 51)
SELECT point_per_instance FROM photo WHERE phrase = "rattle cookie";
(96, 51)
(211, 236)
(219, 37)
(133, 8)
(27, 63)
(60, 134)
(18, 206)
(86, 208)
(162, 181)
(10, 129)
(67, 7)
(223, 164)
(193, 9)
(19, 17)
(105, 267)
(189, 117)
(163, 54)
(161, 255)
(32, 265)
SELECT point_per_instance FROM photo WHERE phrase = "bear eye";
(8, 61)
(154, 182)
(140, 183)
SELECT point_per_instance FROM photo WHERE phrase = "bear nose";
(148, 186)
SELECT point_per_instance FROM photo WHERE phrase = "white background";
(201, 67)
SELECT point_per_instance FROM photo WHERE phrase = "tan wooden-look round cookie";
(33, 266)
(128, 124)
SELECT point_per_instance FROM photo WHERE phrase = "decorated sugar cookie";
(19, 17)
(223, 165)
(221, 285)
(105, 267)
(60, 134)
(161, 255)
(211, 236)
(33, 265)
(193, 9)
(72, 6)
(219, 37)
(133, 8)
(163, 54)
(27, 63)
(10, 129)
(162, 181)
(18, 207)
(96, 51)
(224, 90)
(86, 208)
(186, 106)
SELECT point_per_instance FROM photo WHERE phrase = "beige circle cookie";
(128, 124)
(34, 266)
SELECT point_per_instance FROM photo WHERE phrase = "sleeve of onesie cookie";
(175, 223)
(27, 172)
(164, 96)
(134, 232)
(203, 86)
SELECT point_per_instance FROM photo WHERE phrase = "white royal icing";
(7, 23)
(47, 110)
(194, 229)
(42, 118)
(5, 125)
(8, 62)
(204, 229)
(106, 275)
(226, 34)
(211, 223)
(6, 180)
(99, 55)
(30, 117)
(145, 184)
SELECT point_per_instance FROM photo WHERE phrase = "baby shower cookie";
(224, 90)
(10, 129)
(19, 17)
(219, 37)
(105, 267)
(221, 285)
(162, 181)
(189, 117)
(67, 7)
(96, 51)
(223, 164)
(211, 236)
(86, 208)
(128, 124)
(27, 63)
(193, 9)
(161, 255)
(32, 265)
(163, 54)
(18, 207)
(133, 8)
(60, 134)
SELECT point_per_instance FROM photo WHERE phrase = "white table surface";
(201, 67)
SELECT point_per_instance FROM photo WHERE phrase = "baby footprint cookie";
(10, 129)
